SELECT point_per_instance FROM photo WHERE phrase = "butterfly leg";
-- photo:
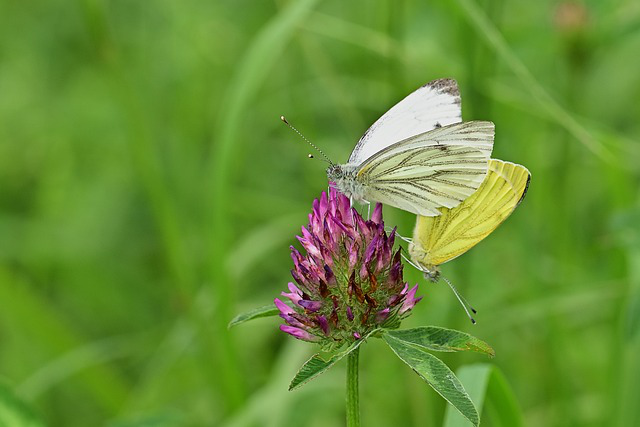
(401, 237)
(353, 211)
(417, 267)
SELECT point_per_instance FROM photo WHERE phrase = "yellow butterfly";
(438, 239)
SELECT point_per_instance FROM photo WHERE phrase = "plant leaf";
(317, 364)
(489, 390)
(256, 313)
(436, 374)
(441, 339)
(14, 412)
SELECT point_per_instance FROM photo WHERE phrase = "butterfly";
(418, 156)
(437, 240)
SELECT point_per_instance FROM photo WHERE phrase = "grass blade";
(43, 324)
(628, 387)
(252, 71)
(483, 25)
(488, 389)
(14, 412)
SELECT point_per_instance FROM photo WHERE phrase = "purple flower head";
(349, 282)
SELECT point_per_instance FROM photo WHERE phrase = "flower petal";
(410, 300)
(376, 217)
(323, 323)
(382, 315)
(349, 313)
(298, 333)
(310, 305)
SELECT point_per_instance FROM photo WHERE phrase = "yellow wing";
(438, 239)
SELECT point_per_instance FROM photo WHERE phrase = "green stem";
(353, 401)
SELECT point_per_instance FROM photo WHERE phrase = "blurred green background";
(148, 192)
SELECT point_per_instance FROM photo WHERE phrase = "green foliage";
(410, 346)
(435, 338)
(252, 70)
(436, 374)
(156, 420)
(490, 393)
(256, 313)
(318, 364)
(14, 412)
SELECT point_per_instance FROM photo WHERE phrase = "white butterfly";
(419, 156)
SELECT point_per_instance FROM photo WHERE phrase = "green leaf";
(441, 339)
(317, 364)
(436, 374)
(14, 412)
(489, 390)
(256, 313)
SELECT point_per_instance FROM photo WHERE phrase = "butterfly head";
(335, 173)
(432, 273)
(420, 258)
(343, 178)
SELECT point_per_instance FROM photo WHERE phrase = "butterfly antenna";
(308, 142)
(463, 302)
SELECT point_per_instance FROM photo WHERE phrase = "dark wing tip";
(449, 86)
(526, 188)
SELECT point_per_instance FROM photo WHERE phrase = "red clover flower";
(348, 286)
(349, 282)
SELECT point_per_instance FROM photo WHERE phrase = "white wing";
(433, 105)
(440, 168)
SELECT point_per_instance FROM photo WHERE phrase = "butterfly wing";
(433, 105)
(437, 240)
(425, 172)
